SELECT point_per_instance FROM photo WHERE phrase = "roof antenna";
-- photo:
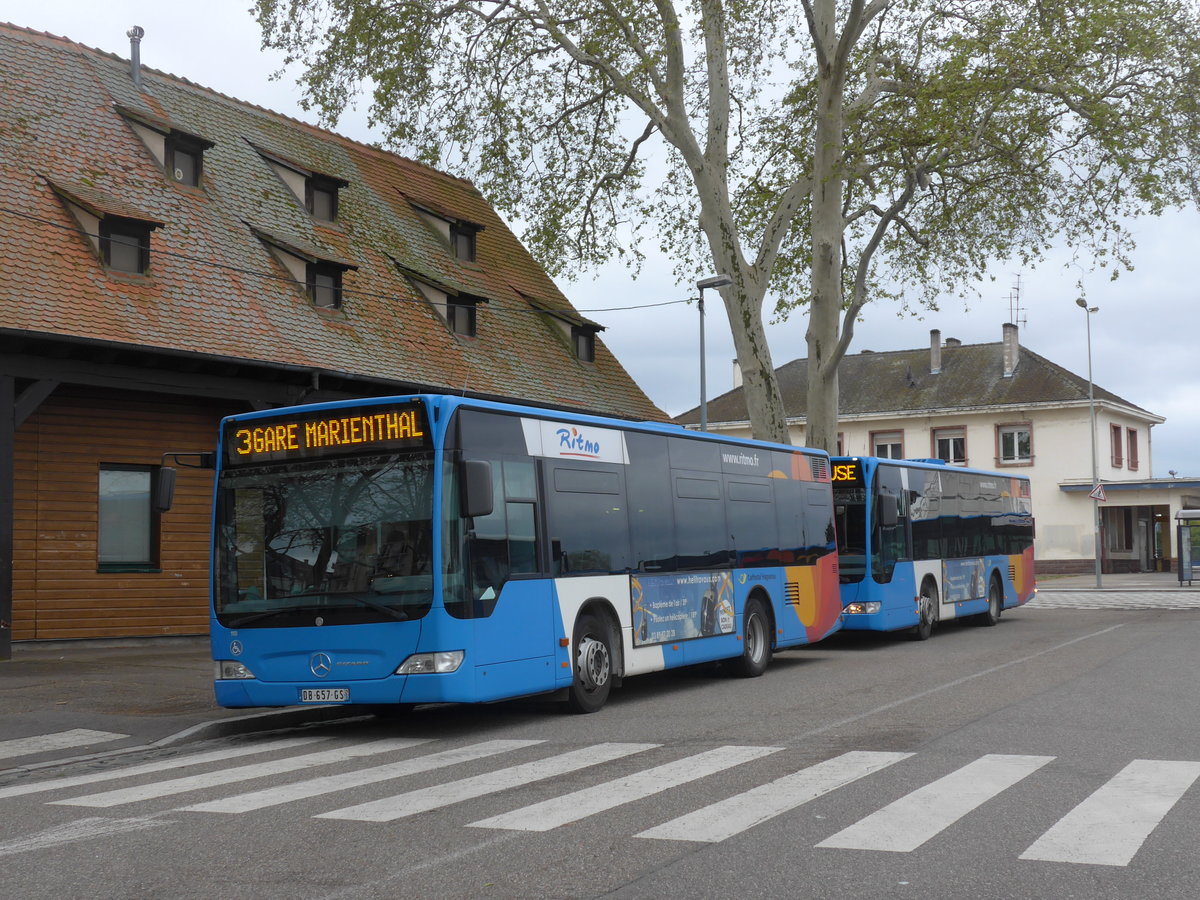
(135, 35)
(1016, 314)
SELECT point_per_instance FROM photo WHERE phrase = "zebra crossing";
(1107, 828)
(59, 740)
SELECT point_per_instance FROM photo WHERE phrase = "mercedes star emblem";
(320, 664)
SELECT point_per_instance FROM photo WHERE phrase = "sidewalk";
(138, 692)
(1141, 581)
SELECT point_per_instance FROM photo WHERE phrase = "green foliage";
(964, 131)
(1027, 119)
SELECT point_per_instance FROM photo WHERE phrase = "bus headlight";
(439, 663)
(863, 609)
(229, 670)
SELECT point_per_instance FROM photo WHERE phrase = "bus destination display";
(328, 433)
(847, 472)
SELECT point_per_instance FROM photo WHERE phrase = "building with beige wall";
(1001, 406)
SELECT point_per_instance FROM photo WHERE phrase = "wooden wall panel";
(58, 592)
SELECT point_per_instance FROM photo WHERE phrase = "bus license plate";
(325, 695)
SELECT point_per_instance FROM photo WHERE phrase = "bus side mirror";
(889, 510)
(164, 482)
(164, 488)
(476, 494)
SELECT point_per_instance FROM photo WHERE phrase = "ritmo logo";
(572, 443)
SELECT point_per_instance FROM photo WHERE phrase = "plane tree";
(823, 154)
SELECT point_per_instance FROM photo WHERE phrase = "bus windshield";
(850, 517)
(325, 542)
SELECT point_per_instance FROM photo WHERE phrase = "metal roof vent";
(135, 35)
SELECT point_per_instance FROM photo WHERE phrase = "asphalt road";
(1054, 755)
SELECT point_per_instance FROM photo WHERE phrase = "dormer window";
(457, 309)
(312, 266)
(583, 341)
(580, 333)
(462, 240)
(461, 314)
(458, 233)
(321, 197)
(180, 153)
(325, 285)
(318, 192)
(125, 244)
(118, 232)
(183, 160)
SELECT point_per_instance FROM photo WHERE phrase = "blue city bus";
(425, 549)
(920, 541)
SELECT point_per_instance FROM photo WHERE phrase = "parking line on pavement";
(59, 740)
(176, 762)
(909, 822)
(1110, 826)
(240, 773)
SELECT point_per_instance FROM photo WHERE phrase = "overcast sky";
(1145, 336)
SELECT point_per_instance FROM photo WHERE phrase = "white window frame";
(950, 434)
(1011, 434)
(892, 440)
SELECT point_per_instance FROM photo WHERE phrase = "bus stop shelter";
(1187, 530)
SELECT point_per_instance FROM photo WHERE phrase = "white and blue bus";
(396, 551)
(920, 541)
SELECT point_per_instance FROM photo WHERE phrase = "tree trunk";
(825, 306)
(760, 387)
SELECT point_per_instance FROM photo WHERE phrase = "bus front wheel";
(756, 641)
(927, 610)
(593, 664)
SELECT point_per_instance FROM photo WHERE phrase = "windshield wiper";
(264, 614)
(398, 615)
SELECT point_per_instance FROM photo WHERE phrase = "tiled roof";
(899, 382)
(215, 288)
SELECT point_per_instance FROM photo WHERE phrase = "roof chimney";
(935, 351)
(1012, 349)
(737, 374)
(135, 35)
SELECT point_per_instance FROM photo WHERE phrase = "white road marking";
(1110, 826)
(178, 762)
(80, 830)
(589, 801)
(439, 795)
(912, 820)
(732, 816)
(59, 740)
(301, 790)
(239, 773)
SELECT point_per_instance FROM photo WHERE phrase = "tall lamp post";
(715, 281)
(1092, 418)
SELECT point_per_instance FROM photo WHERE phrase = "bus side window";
(504, 542)
(588, 520)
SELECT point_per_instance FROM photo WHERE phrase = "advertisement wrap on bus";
(396, 551)
(920, 542)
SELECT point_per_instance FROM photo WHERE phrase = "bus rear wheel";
(592, 682)
(995, 604)
(927, 610)
(756, 641)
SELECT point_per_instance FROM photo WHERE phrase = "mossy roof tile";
(215, 288)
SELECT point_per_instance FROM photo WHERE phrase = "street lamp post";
(715, 281)
(1092, 419)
